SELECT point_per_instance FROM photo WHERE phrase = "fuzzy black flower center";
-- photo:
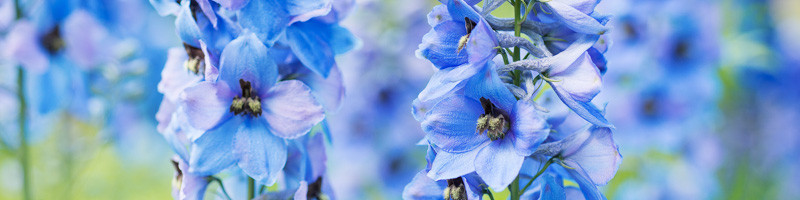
(493, 121)
(455, 190)
(52, 41)
(195, 62)
(249, 103)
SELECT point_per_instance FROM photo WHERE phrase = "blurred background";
(703, 94)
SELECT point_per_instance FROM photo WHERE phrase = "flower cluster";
(250, 88)
(491, 116)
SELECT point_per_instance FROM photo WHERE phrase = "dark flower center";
(455, 189)
(493, 121)
(52, 41)
(315, 190)
(249, 103)
(469, 24)
(196, 57)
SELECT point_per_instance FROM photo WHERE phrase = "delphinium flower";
(252, 79)
(482, 117)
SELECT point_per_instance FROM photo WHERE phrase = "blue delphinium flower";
(252, 80)
(484, 118)
(228, 112)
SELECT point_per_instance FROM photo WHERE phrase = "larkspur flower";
(236, 131)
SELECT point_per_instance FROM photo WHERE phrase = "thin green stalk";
(221, 186)
(23, 147)
(514, 189)
(546, 165)
(251, 188)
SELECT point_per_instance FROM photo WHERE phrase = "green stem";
(251, 187)
(221, 186)
(546, 165)
(514, 189)
(23, 143)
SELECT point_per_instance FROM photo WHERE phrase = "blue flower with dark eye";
(246, 114)
(485, 130)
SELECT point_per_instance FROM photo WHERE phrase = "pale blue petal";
(452, 124)
(186, 27)
(246, 58)
(581, 79)
(165, 7)
(589, 189)
(597, 155)
(267, 18)
(487, 83)
(498, 164)
(451, 165)
(424, 188)
(175, 77)
(261, 154)
(440, 45)
(207, 104)
(303, 10)
(212, 152)
(208, 11)
(529, 128)
(290, 109)
(308, 41)
(232, 4)
(22, 45)
(438, 15)
(576, 20)
(553, 189)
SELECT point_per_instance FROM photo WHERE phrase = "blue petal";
(598, 156)
(22, 45)
(192, 186)
(165, 7)
(437, 89)
(487, 83)
(267, 18)
(440, 45)
(186, 27)
(246, 58)
(291, 109)
(498, 164)
(452, 124)
(581, 79)
(212, 152)
(475, 185)
(552, 189)
(302, 191)
(451, 165)
(207, 104)
(589, 189)
(529, 126)
(424, 188)
(303, 10)
(481, 44)
(330, 91)
(459, 9)
(576, 20)
(175, 77)
(309, 43)
(208, 11)
(438, 15)
(261, 154)
(576, 92)
(232, 4)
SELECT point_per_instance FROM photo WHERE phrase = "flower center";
(52, 41)
(493, 121)
(315, 190)
(455, 189)
(196, 57)
(249, 103)
(469, 24)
